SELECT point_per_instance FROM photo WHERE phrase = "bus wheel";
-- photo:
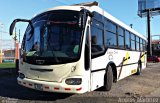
(108, 79)
(139, 69)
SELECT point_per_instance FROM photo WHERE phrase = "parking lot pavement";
(145, 85)
(10, 89)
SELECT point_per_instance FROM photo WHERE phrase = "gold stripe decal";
(124, 61)
(133, 71)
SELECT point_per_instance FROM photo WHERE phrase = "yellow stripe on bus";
(133, 71)
(143, 57)
(127, 56)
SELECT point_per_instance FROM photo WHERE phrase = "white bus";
(77, 49)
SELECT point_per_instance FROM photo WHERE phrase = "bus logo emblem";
(40, 61)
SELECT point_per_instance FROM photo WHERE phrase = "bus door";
(87, 54)
(97, 54)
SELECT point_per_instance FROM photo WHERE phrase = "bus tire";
(139, 69)
(108, 79)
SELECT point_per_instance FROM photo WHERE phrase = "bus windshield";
(56, 38)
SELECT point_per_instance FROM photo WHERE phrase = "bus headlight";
(73, 81)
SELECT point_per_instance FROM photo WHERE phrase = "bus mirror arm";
(18, 20)
(90, 14)
(83, 17)
(87, 12)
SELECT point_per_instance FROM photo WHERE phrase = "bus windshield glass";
(56, 38)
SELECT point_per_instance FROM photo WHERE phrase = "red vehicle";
(155, 51)
(153, 59)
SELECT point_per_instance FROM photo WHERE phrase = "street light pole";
(149, 46)
(19, 35)
(16, 52)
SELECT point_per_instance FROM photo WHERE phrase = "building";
(156, 47)
(8, 56)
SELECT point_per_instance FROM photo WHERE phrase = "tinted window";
(137, 46)
(97, 24)
(40, 17)
(56, 38)
(141, 47)
(105, 21)
(127, 39)
(110, 39)
(141, 41)
(120, 37)
(132, 36)
(144, 42)
(141, 44)
(144, 45)
(133, 45)
(120, 41)
(98, 16)
(111, 27)
(120, 31)
(137, 43)
(137, 39)
(96, 40)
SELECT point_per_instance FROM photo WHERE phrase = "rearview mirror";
(14, 23)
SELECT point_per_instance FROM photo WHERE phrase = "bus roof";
(100, 11)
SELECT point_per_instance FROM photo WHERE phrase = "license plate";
(38, 86)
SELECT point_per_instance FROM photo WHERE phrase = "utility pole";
(149, 46)
(19, 35)
(16, 52)
(148, 8)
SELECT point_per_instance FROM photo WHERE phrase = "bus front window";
(56, 38)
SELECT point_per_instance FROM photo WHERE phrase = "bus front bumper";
(50, 86)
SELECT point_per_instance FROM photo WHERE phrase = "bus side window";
(127, 40)
(110, 36)
(97, 46)
(137, 44)
(141, 45)
(120, 37)
(144, 45)
(133, 44)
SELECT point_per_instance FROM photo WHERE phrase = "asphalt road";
(130, 89)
